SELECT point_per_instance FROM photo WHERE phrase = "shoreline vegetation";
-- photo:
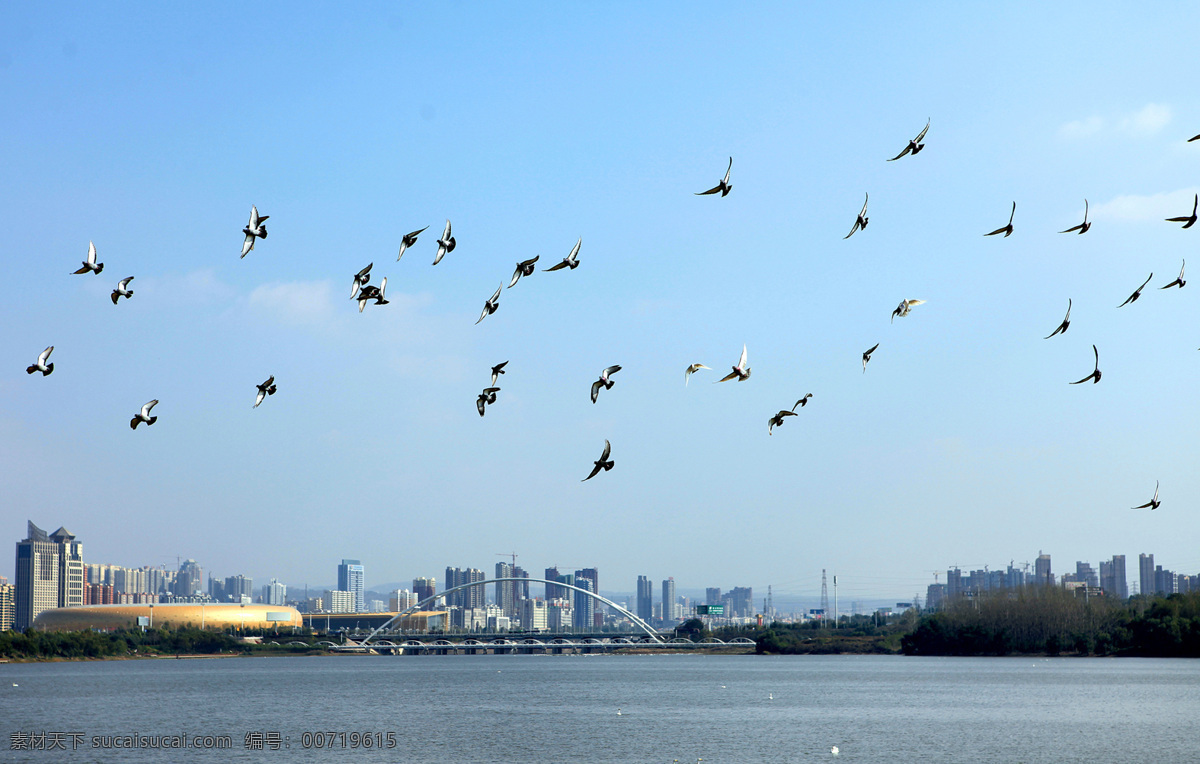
(1028, 621)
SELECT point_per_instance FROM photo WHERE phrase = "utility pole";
(770, 608)
(835, 602)
(824, 598)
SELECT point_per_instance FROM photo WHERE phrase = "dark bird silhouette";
(372, 292)
(777, 420)
(1188, 221)
(723, 186)
(524, 268)
(1138, 293)
(486, 398)
(1153, 503)
(1095, 375)
(1085, 225)
(265, 389)
(492, 305)
(861, 220)
(1008, 229)
(407, 240)
(603, 463)
(741, 371)
(1193, 138)
(360, 279)
(497, 370)
(445, 244)
(1065, 322)
(604, 381)
(255, 228)
(90, 264)
(802, 402)
(122, 290)
(1179, 282)
(914, 146)
(570, 261)
(867, 356)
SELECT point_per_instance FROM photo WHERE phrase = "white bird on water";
(834, 750)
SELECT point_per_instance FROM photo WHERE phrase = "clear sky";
(152, 129)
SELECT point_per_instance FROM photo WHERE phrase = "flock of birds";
(366, 293)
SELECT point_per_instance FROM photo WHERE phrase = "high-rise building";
(712, 595)
(1041, 570)
(274, 593)
(50, 574)
(189, 579)
(506, 591)
(741, 602)
(401, 599)
(238, 589)
(351, 579)
(8, 604)
(645, 598)
(1164, 581)
(1086, 573)
(668, 601)
(553, 591)
(1146, 574)
(471, 597)
(424, 588)
(583, 605)
(533, 615)
(338, 602)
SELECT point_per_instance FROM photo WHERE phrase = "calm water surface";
(512, 708)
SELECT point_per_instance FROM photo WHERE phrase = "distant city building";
(1164, 581)
(553, 591)
(1087, 574)
(50, 574)
(1041, 570)
(712, 596)
(189, 580)
(584, 609)
(741, 602)
(645, 598)
(274, 593)
(402, 599)
(668, 602)
(337, 601)
(1112, 577)
(8, 604)
(1146, 574)
(506, 591)
(424, 588)
(351, 578)
(471, 597)
(534, 615)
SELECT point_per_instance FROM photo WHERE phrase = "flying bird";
(723, 186)
(603, 463)
(360, 280)
(1008, 229)
(492, 304)
(254, 228)
(861, 221)
(741, 371)
(914, 146)
(867, 356)
(408, 240)
(802, 402)
(1065, 322)
(41, 365)
(144, 415)
(122, 290)
(90, 264)
(372, 292)
(777, 420)
(265, 389)
(905, 306)
(1179, 282)
(604, 381)
(1187, 221)
(1193, 138)
(1095, 375)
(569, 261)
(1138, 293)
(486, 398)
(689, 371)
(497, 370)
(1153, 503)
(445, 244)
(524, 268)
(1085, 225)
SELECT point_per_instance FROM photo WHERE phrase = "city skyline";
(533, 129)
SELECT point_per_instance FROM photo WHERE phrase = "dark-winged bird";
(41, 365)
(1065, 322)
(723, 186)
(492, 304)
(122, 290)
(1153, 503)
(867, 356)
(144, 415)
(1008, 229)
(408, 240)
(802, 402)
(1085, 225)
(360, 280)
(524, 268)
(372, 292)
(497, 370)
(265, 389)
(1095, 375)
(914, 146)
(486, 398)
(253, 229)
(1187, 221)
(1179, 282)
(603, 463)
(90, 264)
(1138, 293)
(861, 220)
(570, 260)
(604, 381)
(777, 420)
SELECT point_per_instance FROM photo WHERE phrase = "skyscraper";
(1122, 585)
(49, 574)
(645, 598)
(471, 597)
(583, 605)
(274, 593)
(351, 578)
(553, 591)
(1041, 570)
(668, 601)
(1146, 574)
(424, 588)
(189, 580)
(506, 591)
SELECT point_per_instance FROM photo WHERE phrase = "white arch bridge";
(529, 645)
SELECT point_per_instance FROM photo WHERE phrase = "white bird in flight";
(90, 264)
(122, 290)
(253, 229)
(741, 371)
(687, 374)
(904, 307)
(604, 381)
(570, 260)
(445, 244)
(144, 415)
(41, 365)
(492, 305)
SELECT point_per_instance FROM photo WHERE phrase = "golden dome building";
(208, 615)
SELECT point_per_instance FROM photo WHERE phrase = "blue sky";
(151, 131)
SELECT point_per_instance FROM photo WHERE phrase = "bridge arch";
(638, 621)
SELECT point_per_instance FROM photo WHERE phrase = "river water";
(540, 708)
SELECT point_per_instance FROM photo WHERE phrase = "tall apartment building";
(338, 602)
(668, 602)
(50, 574)
(645, 598)
(553, 591)
(189, 581)
(584, 605)
(1146, 574)
(1086, 573)
(712, 595)
(1041, 570)
(741, 602)
(274, 593)
(8, 604)
(351, 578)
(424, 588)
(534, 615)
(471, 597)
(506, 591)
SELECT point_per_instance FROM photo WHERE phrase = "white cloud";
(295, 302)
(1082, 128)
(1152, 118)
(1156, 207)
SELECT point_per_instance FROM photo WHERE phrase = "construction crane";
(513, 555)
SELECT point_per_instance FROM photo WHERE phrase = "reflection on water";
(513, 708)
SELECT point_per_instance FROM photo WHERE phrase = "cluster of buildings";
(1110, 580)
